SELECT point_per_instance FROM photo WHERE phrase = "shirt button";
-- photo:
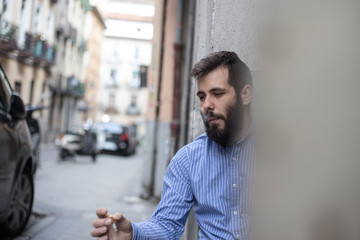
(234, 158)
(235, 213)
(237, 236)
(234, 185)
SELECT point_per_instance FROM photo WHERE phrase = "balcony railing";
(8, 35)
(30, 47)
(73, 34)
(75, 87)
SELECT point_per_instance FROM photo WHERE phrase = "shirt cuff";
(138, 233)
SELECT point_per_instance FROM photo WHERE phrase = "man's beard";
(232, 125)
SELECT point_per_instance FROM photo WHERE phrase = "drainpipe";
(157, 110)
(178, 47)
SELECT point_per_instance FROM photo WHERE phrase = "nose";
(207, 104)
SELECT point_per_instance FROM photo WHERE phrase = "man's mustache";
(209, 114)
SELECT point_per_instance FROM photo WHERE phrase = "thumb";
(122, 224)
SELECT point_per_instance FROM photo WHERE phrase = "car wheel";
(20, 205)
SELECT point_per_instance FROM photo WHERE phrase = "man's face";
(221, 111)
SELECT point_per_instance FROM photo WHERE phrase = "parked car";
(117, 138)
(16, 162)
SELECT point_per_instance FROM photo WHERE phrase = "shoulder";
(189, 154)
(198, 142)
(196, 148)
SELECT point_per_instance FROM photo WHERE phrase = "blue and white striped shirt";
(216, 181)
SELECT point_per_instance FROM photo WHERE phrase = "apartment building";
(126, 57)
(67, 83)
(94, 33)
(28, 49)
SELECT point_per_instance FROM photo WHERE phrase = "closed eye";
(201, 97)
(218, 94)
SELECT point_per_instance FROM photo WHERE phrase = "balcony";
(8, 36)
(86, 5)
(73, 34)
(82, 46)
(58, 86)
(29, 48)
(75, 87)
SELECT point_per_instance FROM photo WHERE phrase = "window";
(135, 80)
(112, 82)
(139, 78)
(17, 87)
(111, 99)
(133, 108)
(111, 105)
(136, 53)
(115, 54)
(143, 76)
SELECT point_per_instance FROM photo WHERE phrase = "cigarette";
(112, 219)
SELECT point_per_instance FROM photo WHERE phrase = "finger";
(101, 212)
(111, 232)
(122, 223)
(99, 222)
(105, 237)
(97, 232)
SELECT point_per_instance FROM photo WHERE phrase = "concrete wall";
(307, 113)
(220, 25)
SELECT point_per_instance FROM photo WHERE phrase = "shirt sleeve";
(169, 218)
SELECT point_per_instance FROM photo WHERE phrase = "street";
(67, 193)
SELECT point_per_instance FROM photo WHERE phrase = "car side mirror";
(17, 108)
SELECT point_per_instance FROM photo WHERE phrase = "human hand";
(105, 230)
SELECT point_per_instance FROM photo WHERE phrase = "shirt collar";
(249, 133)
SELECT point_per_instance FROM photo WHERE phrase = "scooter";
(35, 133)
(80, 142)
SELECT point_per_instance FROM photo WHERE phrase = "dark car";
(16, 162)
(117, 138)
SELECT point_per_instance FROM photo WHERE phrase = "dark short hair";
(239, 73)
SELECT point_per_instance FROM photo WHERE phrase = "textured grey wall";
(306, 56)
(225, 25)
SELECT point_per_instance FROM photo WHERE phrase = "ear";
(246, 94)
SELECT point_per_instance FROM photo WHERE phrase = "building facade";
(126, 57)
(94, 33)
(67, 106)
(28, 50)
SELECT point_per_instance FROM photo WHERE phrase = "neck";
(245, 126)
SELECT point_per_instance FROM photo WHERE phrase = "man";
(211, 174)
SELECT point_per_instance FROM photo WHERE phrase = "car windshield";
(111, 127)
